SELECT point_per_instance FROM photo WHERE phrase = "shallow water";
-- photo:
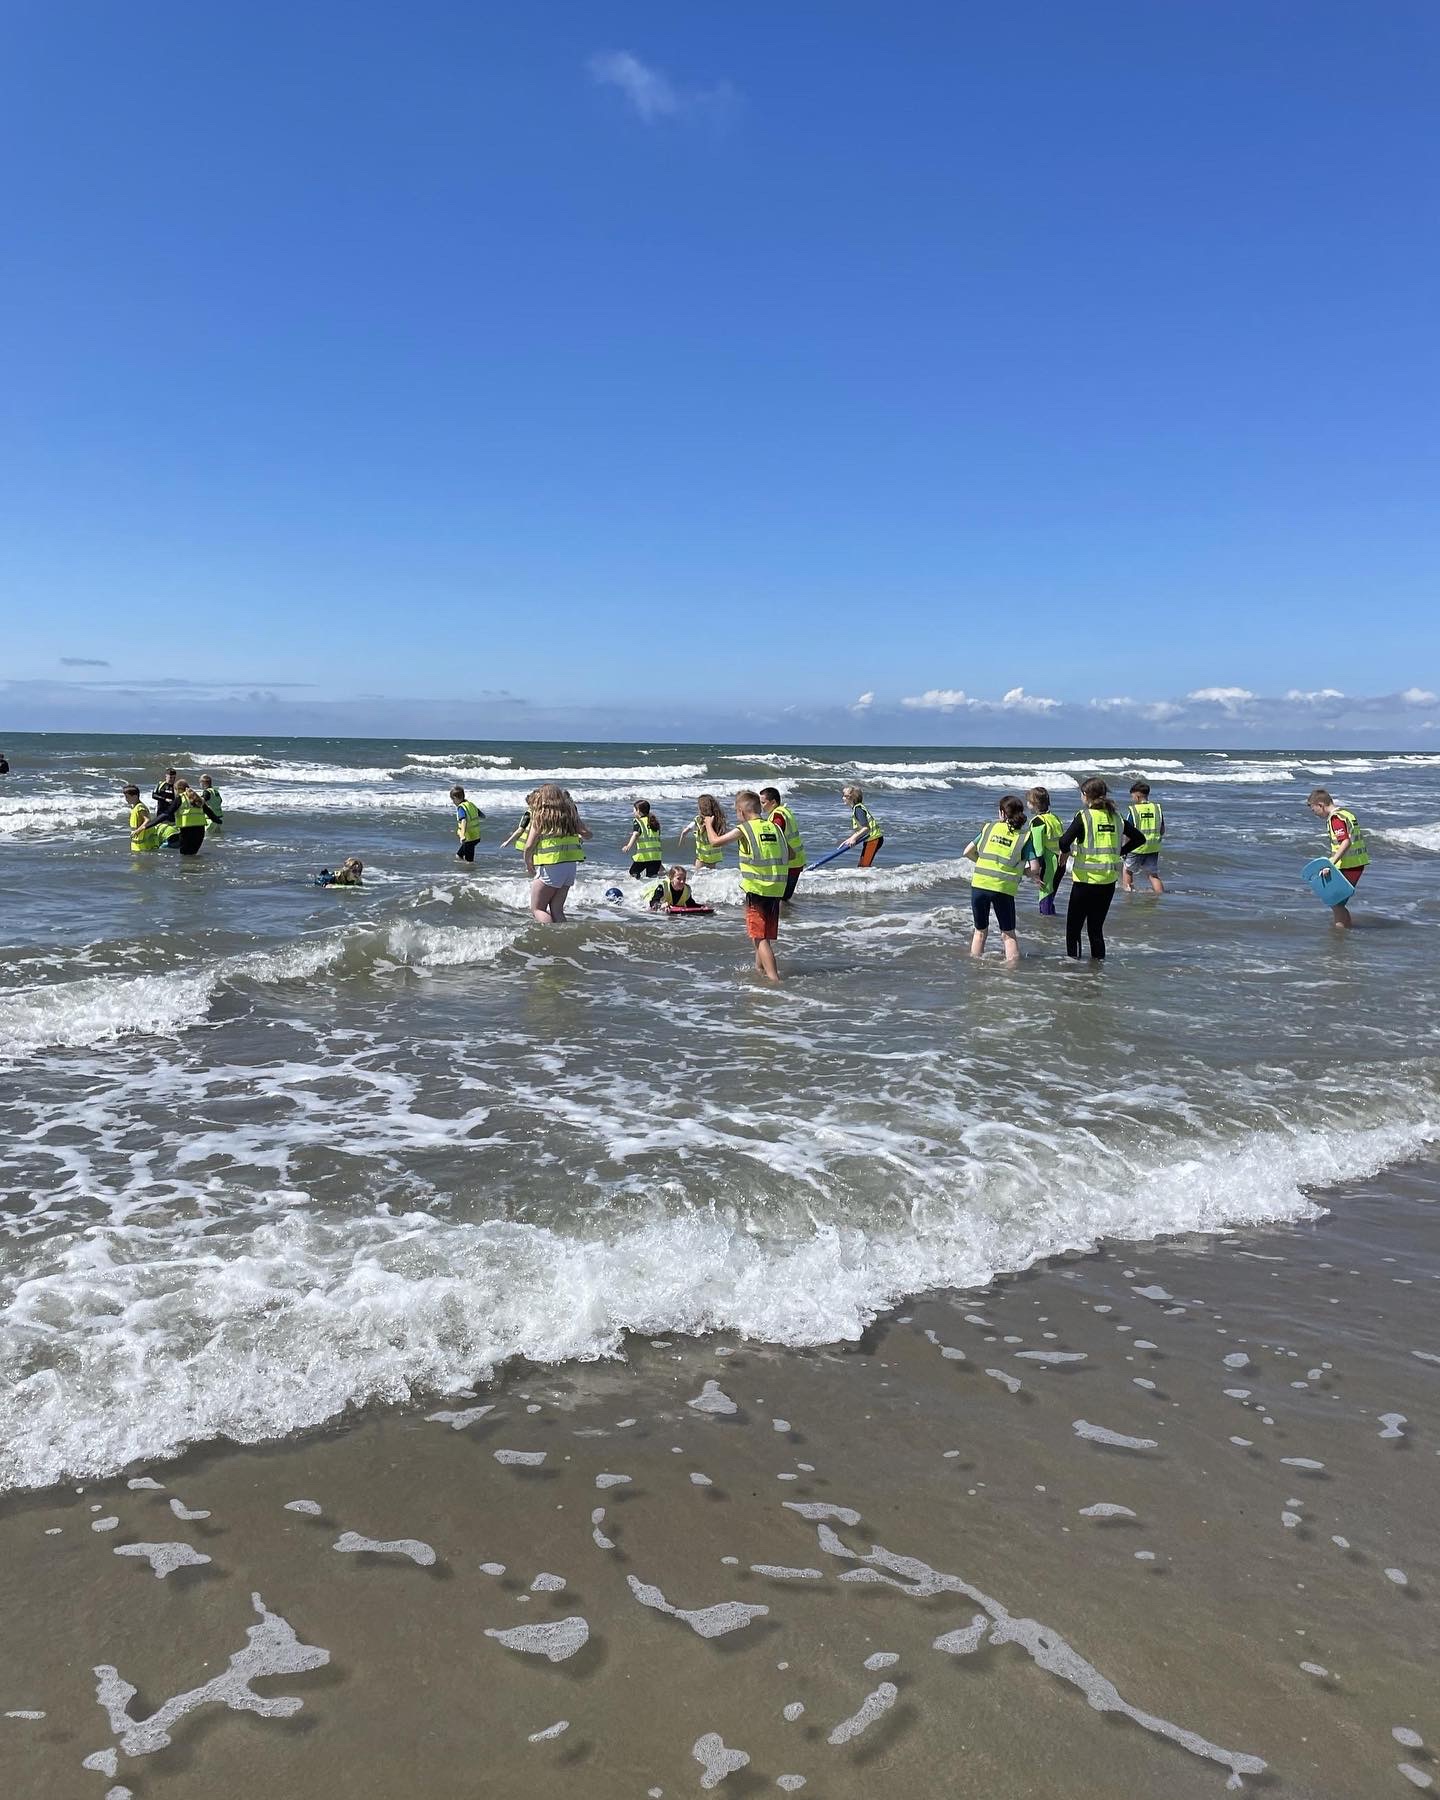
(270, 1152)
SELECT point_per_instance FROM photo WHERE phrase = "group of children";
(182, 814)
(1100, 848)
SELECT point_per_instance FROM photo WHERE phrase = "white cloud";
(651, 92)
(864, 703)
(937, 700)
(1414, 696)
(1017, 700)
(1313, 696)
(1228, 697)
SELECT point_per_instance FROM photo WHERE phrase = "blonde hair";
(553, 812)
(750, 797)
(1321, 797)
(853, 794)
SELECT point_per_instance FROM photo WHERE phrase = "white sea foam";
(287, 1321)
(1412, 837)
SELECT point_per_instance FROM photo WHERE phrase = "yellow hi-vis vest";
(1353, 855)
(558, 850)
(1096, 860)
(1052, 830)
(649, 845)
(189, 814)
(764, 858)
(1148, 818)
(521, 833)
(860, 814)
(999, 852)
(706, 852)
(143, 835)
(785, 819)
(467, 821)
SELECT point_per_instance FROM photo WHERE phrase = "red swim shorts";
(762, 916)
(1353, 875)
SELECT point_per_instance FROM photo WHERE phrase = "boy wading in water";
(1148, 818)
(1347, 845)
(764, 853)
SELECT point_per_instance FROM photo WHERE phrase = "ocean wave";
(459, 759)
(1413, 837)
(273, 1326)
(100, 1009)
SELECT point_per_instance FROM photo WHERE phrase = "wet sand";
(1140, 1523)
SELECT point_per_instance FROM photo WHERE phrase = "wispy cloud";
(864, 703)
(652, 94)
(83, 662)
(1230, 698)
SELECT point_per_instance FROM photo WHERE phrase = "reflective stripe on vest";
(999, 852)
(785, 819)
(522, 831)
(1353, 855)
(1097, 859)
(1147, 818)
(862, 815)
(558, 850)
(211, 798)
(764, 858)
(467, 821)
(649, 846)
(189, 814)
(706, 852)
(143, 835)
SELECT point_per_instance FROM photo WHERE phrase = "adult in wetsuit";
(1097, 841)
(166, 796)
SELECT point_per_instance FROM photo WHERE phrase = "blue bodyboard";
(1326, 882)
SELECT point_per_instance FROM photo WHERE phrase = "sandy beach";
(1160, 1519)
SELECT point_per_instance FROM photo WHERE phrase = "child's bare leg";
(977, 943)
(1157, 886)
(539, 902)
(557, 905)
(1012, 949)
(1127, 880)
(1343, 919)
(765, 960)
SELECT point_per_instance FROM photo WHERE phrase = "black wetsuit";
(167, 802)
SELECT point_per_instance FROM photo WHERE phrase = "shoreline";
(1259, 1584)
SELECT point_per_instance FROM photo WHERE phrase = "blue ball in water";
(613, 894)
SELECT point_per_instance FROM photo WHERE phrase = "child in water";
(1347, 845)
(1099, 839)
(554, 852)
(764, 853)
(1045, 831)
(645, 841)
(211, 802)
(674, 890)
(864, 825)
(1148, 818)
(706, 855)
(517, 836)
(143, 835)
(999, 851)
(467, 823)
(350, 874)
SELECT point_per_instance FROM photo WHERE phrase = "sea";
(271, 1153)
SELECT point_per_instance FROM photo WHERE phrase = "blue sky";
(691, 370)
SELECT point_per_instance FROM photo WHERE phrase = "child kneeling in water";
(999, 853)
(674, 891)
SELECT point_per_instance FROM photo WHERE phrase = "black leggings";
(466, 849)
(188, 839)
(1089, 903)
(645, 868)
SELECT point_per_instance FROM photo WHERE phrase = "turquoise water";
(271, 1152)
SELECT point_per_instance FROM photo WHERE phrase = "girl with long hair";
(554, 851)
(645, 842)
(706, 855)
